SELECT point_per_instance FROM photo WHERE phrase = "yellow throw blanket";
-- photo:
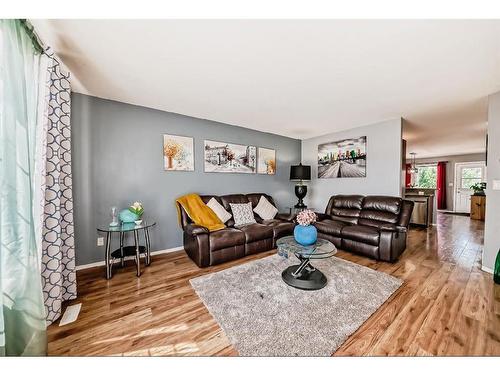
(199, 212)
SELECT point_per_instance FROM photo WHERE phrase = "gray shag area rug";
(263, 316)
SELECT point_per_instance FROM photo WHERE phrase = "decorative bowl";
(305, 235)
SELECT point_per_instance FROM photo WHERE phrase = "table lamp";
(300, 173)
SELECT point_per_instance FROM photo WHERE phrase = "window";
(426, 176)
(470, 176)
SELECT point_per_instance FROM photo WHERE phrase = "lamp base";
(300, 193)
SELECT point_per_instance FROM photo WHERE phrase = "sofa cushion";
(368, 250)
(280, 228)
(382, 203)
(256, 232)
(361, 233)
(272, 222)
(345, 207)
(265, 209)
(345, 219)
(233, 198)
(242, 213)
(381, 225)
(331, 227)
(219, 210)
(348, 201)
(226, 237)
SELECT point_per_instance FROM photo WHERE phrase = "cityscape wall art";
(339, 159)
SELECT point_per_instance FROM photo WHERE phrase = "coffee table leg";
(108, 256)
(137, 254)
(303, 264)
(304, 276)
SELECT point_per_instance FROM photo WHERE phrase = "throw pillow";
(219, 210)
(242, 213)
(265, 209)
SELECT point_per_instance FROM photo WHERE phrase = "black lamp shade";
(300, 172)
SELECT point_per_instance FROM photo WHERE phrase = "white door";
(467, 174)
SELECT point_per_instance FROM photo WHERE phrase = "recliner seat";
(375, 226)
(210, 248)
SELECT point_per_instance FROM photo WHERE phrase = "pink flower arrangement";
(306, 217)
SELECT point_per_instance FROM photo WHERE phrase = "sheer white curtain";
(22, 313)
(37, 259)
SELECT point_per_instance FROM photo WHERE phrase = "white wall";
(492, 223)
(383, 164)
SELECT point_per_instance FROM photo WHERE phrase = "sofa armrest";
(194, 230)
(285, 217)
(320, 216)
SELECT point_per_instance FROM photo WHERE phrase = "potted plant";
(138, 210)
(305, 233)
(479, 188)
(132, 214)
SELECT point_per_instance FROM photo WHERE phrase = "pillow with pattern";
(242, 213)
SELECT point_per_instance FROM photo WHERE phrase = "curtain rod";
(35, 39)
(40, 46)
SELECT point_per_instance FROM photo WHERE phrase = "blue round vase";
(127, 216)
(305, 235)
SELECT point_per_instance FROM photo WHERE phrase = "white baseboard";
(153, 253)
(486, 269)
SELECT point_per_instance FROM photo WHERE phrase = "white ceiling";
(299, 78)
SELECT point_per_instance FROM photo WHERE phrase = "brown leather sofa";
(375, 226)
(209, 248)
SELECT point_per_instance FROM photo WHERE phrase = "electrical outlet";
(100, 241)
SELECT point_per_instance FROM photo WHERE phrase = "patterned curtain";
(58, 250)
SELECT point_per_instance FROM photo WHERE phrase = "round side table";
(127, 251)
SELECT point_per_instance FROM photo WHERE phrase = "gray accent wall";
(383, 164)
(117, 159)
(492, 223)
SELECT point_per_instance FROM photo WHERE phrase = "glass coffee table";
(304, 275)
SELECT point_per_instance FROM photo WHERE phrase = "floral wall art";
(266, 161)
(178, 153)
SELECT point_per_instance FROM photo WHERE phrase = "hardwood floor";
(446, 306)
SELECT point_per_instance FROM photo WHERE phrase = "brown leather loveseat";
(209, 248)
(375, 226)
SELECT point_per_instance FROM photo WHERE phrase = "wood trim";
(153, 253)
(487, 269)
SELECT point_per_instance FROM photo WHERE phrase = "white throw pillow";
(219, 210)
(265, 209)
(242, 213)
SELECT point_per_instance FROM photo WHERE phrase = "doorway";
(466, 175)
